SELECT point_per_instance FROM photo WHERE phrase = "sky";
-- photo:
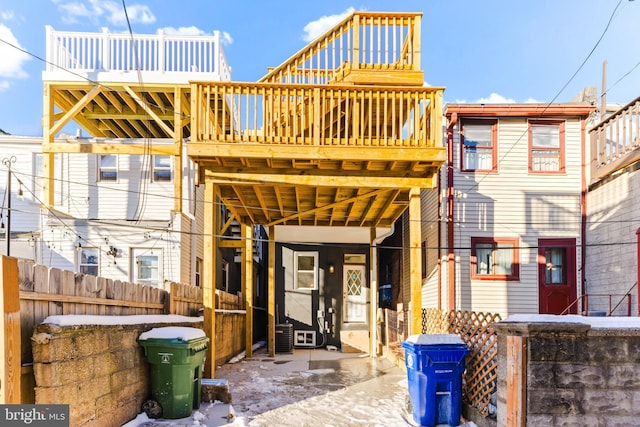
(493, 51)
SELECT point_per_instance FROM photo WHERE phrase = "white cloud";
(226, 38)
(7, 15)
(4, 85)
(195, 31)
(111, 11)
(532, 101)
(316, 28)
(12, 58)
(184, 31)
(495, 98)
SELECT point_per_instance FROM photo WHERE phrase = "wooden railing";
(269, 113)
(364, 40)
(109, 52)
(615, 141)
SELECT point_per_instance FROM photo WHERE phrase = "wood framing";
(209, 273)
(10, 324)
(247, 285)
(415, 261)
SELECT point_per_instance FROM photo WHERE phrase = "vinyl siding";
(513, 203)
(611, 250)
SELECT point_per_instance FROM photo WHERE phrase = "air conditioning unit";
(284, 338)
(304, 338)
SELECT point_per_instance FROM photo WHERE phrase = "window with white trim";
(546, 146)
(147, 267)
(162, 168)
(89, 261)
(107, 167)
(198, 272)
(479, 145)
(305, 266)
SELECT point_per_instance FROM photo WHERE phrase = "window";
(478, 141)
(546, 146)
(146, 267)
(162, 168)
(198, 272)
(305, 270)
(107, 167)
(88, 261)
(494, 259)
(556, 271)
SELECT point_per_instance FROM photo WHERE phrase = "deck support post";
(373, 294)
(415, 264)
(271, 293)
(209, 273)
(247, 285)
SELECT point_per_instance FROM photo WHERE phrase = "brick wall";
(567, 374)
(100, 371)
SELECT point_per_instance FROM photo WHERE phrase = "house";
(503, 232)
(612, 227)
(124, 202)
(20, 218)
(330, 148)
(327, 150)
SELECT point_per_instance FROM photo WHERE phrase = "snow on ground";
(307, 388)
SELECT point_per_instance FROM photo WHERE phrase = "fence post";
(10, 325)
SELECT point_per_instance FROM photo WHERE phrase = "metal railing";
(121, 52)
(603, 304)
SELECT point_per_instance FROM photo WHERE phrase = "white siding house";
(506, 220)
(115, 221)
(22, 154)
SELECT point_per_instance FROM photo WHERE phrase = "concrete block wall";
(566, 374)
(101, 372)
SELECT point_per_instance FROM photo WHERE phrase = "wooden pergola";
(343, 133)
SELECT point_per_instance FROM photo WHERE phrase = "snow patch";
(140, 319)
(435, 339)
(173, 332)
(607, 322)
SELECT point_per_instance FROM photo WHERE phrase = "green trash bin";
(175, 355)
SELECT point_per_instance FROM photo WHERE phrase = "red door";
(557, 275)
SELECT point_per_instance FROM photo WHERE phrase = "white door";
(354, 293)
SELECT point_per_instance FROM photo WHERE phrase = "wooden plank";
(516, 381)
(27, 310)
(209, 272)
(55, 288)
(67, 284)
(10, 326)
(52, 298)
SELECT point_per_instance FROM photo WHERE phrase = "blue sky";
(496, 50)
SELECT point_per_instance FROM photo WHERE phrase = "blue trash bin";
(435, 364)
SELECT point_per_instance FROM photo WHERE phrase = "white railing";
(120, 52)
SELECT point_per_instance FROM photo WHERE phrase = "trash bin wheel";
(407, 404)
(152, 408)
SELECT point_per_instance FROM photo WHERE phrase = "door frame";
(364, 293)
(572, 279)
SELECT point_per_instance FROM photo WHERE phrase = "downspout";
(583, 204)
(638, 266)
(451, 256)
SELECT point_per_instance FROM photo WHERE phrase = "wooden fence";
(31, 293)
